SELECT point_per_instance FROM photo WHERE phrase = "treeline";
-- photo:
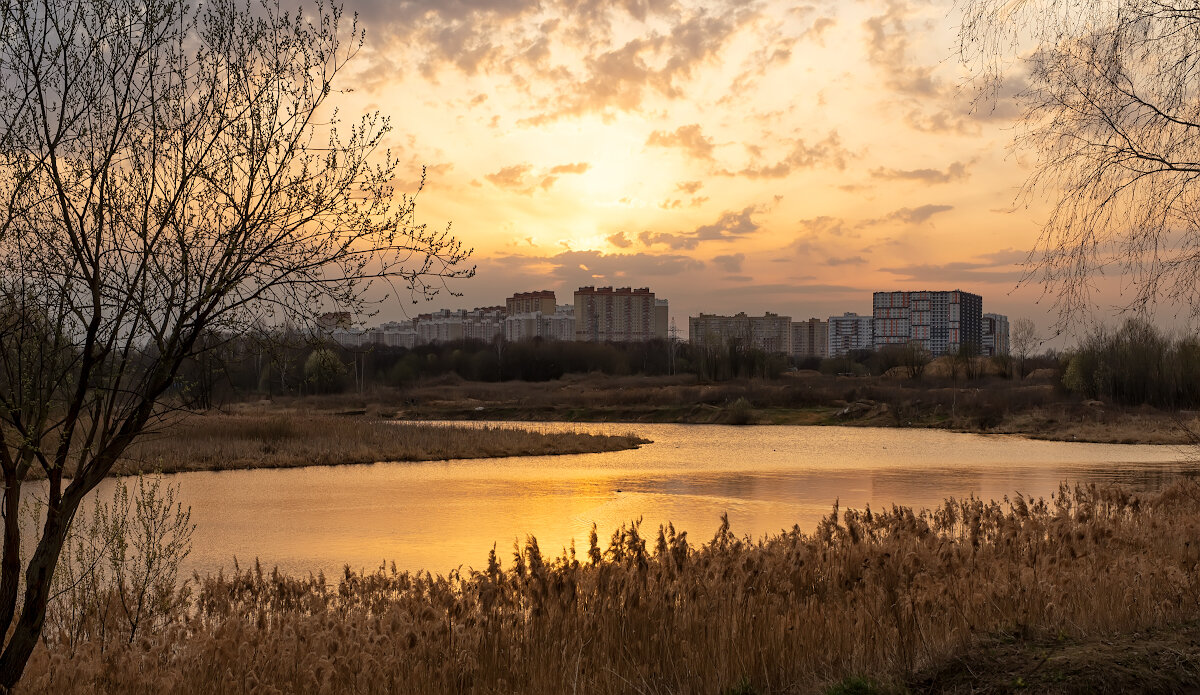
(1132, 365)
(1136, 364)
(291, 365)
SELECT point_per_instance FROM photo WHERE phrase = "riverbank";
(1032, 407)
(286, 438)
(972, 595)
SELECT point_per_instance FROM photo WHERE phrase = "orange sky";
(737, 156)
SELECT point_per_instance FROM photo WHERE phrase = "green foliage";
(325, 370)
(119, 571)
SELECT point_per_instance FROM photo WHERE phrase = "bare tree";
(1022, 341)
(167, 170)
(1109, 98)
(915, 358)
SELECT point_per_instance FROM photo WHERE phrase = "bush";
(1135, 365)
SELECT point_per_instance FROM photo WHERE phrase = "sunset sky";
(736, 156)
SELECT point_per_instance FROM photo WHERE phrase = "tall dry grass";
(284, 440)
(874, 594)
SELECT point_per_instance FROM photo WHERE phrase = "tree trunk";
(10, 564)
(37, 593)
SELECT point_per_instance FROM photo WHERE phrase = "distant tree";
(167, 170)
(1022, 341)
(915, 358)
(324, 370)
(1108, 92)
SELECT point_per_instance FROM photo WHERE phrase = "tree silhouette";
(1108, 92)
(169, 172)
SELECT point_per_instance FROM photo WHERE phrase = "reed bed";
(284, 440)
(870, 594)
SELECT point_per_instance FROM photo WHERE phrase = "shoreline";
(1121, 429)
(283, 439)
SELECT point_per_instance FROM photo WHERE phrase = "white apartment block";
(393, 334)
(810, 338)
(621, 315)
(528, 325)
(443, 326)
(995, 334)
(769, 333)
(850, 332)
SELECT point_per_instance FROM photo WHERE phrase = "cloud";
(729, 226)
(689, 138)
(828, 152)
(847, 260)
(793, 289)
(912, 215)
(824, 225)
(1005, 257)
(953, 273)
(954, 172)
(594, 267)
(620, 240)
(993, 267)
(576, 168)
(816, 32)
(520, 178)
(731, 263)
(511, 177)
(689, 187)
(618, 78)
(887, 50)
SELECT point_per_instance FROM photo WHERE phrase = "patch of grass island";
(207, 442)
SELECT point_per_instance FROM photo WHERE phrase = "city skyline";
(730, 155)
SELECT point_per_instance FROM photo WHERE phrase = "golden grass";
(284, 440)
(871, 594)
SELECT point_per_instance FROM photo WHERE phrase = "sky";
(731, 156)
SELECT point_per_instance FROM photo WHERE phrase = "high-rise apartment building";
(850, 332)
(942, 322)
(810, 338)
(559, 325)
(445, 326)
(661, 318)
(621, 315)
(995, 334)
(769, 333)
(529, 302)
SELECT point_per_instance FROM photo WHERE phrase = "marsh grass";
(290, 439)
(870, 596)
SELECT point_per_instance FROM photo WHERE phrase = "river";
(442, 515)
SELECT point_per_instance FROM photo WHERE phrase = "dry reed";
(872, 594)
(284, 440)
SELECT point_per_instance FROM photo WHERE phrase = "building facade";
(810, 339)
(530, 302)
(769, 333)
(559, 325)
(942, 322)
(661, 318)
(995, 334)
(621, 315)
(850, 332)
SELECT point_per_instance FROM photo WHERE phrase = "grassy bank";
(289, 439)
(893, 597)
(1032, 407)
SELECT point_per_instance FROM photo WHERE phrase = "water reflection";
(442, 515)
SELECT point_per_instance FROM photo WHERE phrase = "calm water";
(438, 516)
